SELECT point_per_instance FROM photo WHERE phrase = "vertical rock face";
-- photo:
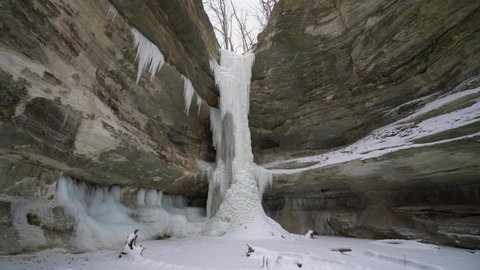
(69, 98)
(182, 31)
(327, 73)
(69, 102)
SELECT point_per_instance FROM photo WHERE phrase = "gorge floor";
(295, 252)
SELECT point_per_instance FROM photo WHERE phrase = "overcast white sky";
(245, 3)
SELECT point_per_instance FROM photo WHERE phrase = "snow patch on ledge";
(399, 135)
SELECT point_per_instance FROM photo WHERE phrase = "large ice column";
(237, 183)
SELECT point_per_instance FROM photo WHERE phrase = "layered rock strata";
(69, 102)
(327, 74)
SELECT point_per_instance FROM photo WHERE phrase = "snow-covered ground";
(296, 252)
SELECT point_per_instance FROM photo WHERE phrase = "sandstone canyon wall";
(69, 104)
(327, 74)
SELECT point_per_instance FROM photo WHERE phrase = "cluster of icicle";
(102, 220)
(150, 58)
(188, 94)
(148, 55)
(112, 13)
(237, 183)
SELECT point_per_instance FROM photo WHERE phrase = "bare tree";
(236, 28)
(263, 12)
(221, 16)
(244, 32)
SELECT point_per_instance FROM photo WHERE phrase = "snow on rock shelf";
(403, 134)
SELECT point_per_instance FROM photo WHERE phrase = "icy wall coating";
(102, 219)
(78, 216)
(367, 111)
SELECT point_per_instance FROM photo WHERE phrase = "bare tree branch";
(233, 26)
(222, 23)
(263, 12)
(241, 18)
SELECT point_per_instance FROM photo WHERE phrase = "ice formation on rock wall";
(188, 95)
(103, 221)
(216, 126)
(148, 55)
(188, 92)
(237, 183)
(199, 103)
(112, 13)
(399, 135)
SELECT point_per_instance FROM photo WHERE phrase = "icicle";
(199, 103)
(188, 92)
(264, 178)
(216, 127)
(213, 65)
(177, 201)
(116, 191)
(141, 197)
(205, 167)
(148, 55)
(216, 189)
(159, 198)
(151, 197)
(112, 13)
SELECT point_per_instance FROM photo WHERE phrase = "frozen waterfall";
(237, 183)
